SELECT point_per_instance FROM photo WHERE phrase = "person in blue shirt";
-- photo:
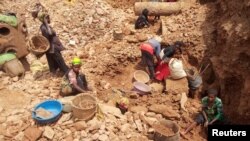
(150, 49)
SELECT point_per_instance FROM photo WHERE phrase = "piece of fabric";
(10, 20)
(164, 71)
(147, 59)
(41, 15)
(200, 119)
(55, 61)
(216, 111)
(76, 61)
(147, 47)
(156, 46)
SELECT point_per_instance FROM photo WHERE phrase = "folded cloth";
(163, 70)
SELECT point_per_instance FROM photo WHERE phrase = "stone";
(103, 137)
(68, 122)
(139, 125)
(111, 110)
(1, 109)
(131, 39)
(2, 119)
(48, 132)
(84, 134)
(67, 132)
(15, 79)
(137, 109)
(81, 125)
(141, 37)
(72, 42)
(166, 111)
(64, 118)
(99, 11)
(150, 114)
(69, 138)
(156, 88)
(33, 133)
(94, 124)
(128, 136)
(95, 136)
(183, 101)
(19, 136)
(125, 128)
(151, 130)
(103, 126)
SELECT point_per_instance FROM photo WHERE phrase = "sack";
(5, 57)
(14, 68)
(66, 88)
(176, 69)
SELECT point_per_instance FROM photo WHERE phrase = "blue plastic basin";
(53, 106)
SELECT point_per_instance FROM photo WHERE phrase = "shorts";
(200, 119)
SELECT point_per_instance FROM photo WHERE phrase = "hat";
(76, 61)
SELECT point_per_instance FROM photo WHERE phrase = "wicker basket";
(84, 106)
(168, 124)
(38, 45)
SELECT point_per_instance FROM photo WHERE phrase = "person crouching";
(74, 82)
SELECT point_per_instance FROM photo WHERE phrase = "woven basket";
(38, 45)
(79, 111)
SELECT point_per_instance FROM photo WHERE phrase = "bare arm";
(78, 88)
(47, 26)
(205, 115)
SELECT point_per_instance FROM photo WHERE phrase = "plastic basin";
(53, 106)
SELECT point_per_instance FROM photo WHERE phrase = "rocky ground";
(86, 29)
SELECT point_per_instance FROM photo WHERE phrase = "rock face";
(229, 55)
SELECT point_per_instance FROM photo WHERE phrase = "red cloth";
(147, 47)
(164, 71)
